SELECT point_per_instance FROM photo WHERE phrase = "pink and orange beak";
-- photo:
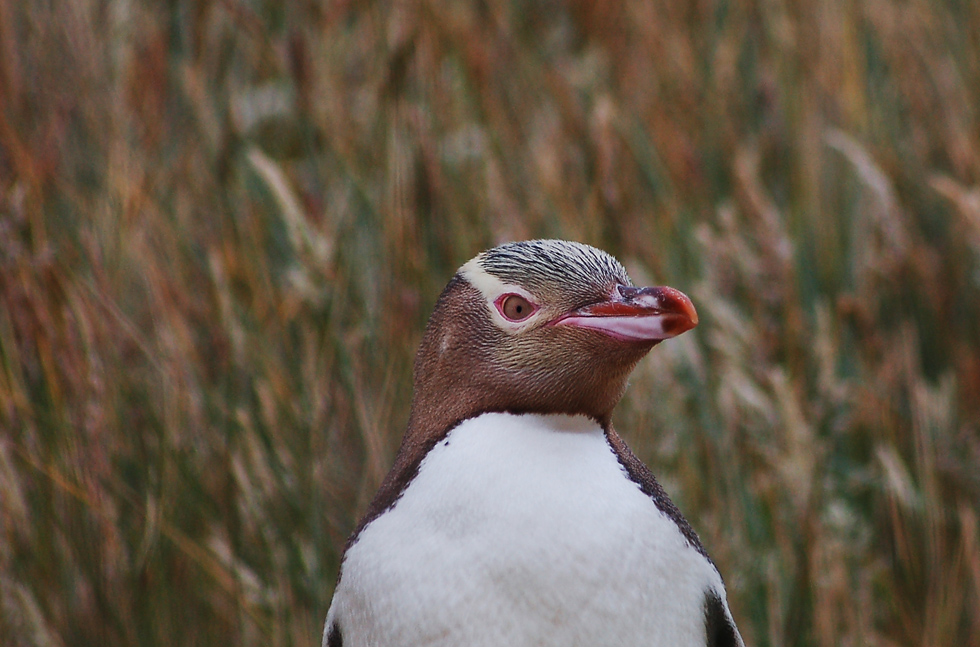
(637, 314)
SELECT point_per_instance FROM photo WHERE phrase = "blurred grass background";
(223, 225)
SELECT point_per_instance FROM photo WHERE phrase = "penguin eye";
(515, 307)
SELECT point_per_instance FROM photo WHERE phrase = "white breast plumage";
(523, 530)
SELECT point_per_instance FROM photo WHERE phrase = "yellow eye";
(515, 307)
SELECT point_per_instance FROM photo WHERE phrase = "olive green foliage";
(223, 225)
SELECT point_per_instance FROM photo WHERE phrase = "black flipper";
(718, 627)
(334, 637)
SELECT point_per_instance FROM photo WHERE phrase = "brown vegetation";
(223, 225)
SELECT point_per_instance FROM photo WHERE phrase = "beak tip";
(694, 316)
(683, 306)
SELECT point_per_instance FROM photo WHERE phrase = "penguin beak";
(637, 314)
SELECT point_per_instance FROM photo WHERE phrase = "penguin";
(515, 514)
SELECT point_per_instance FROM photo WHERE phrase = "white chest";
(523, 530)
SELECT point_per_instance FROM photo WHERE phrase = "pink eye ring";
(514, 307)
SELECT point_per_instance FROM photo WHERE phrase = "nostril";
(627, 291)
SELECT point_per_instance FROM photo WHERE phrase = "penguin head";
(543, 326)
